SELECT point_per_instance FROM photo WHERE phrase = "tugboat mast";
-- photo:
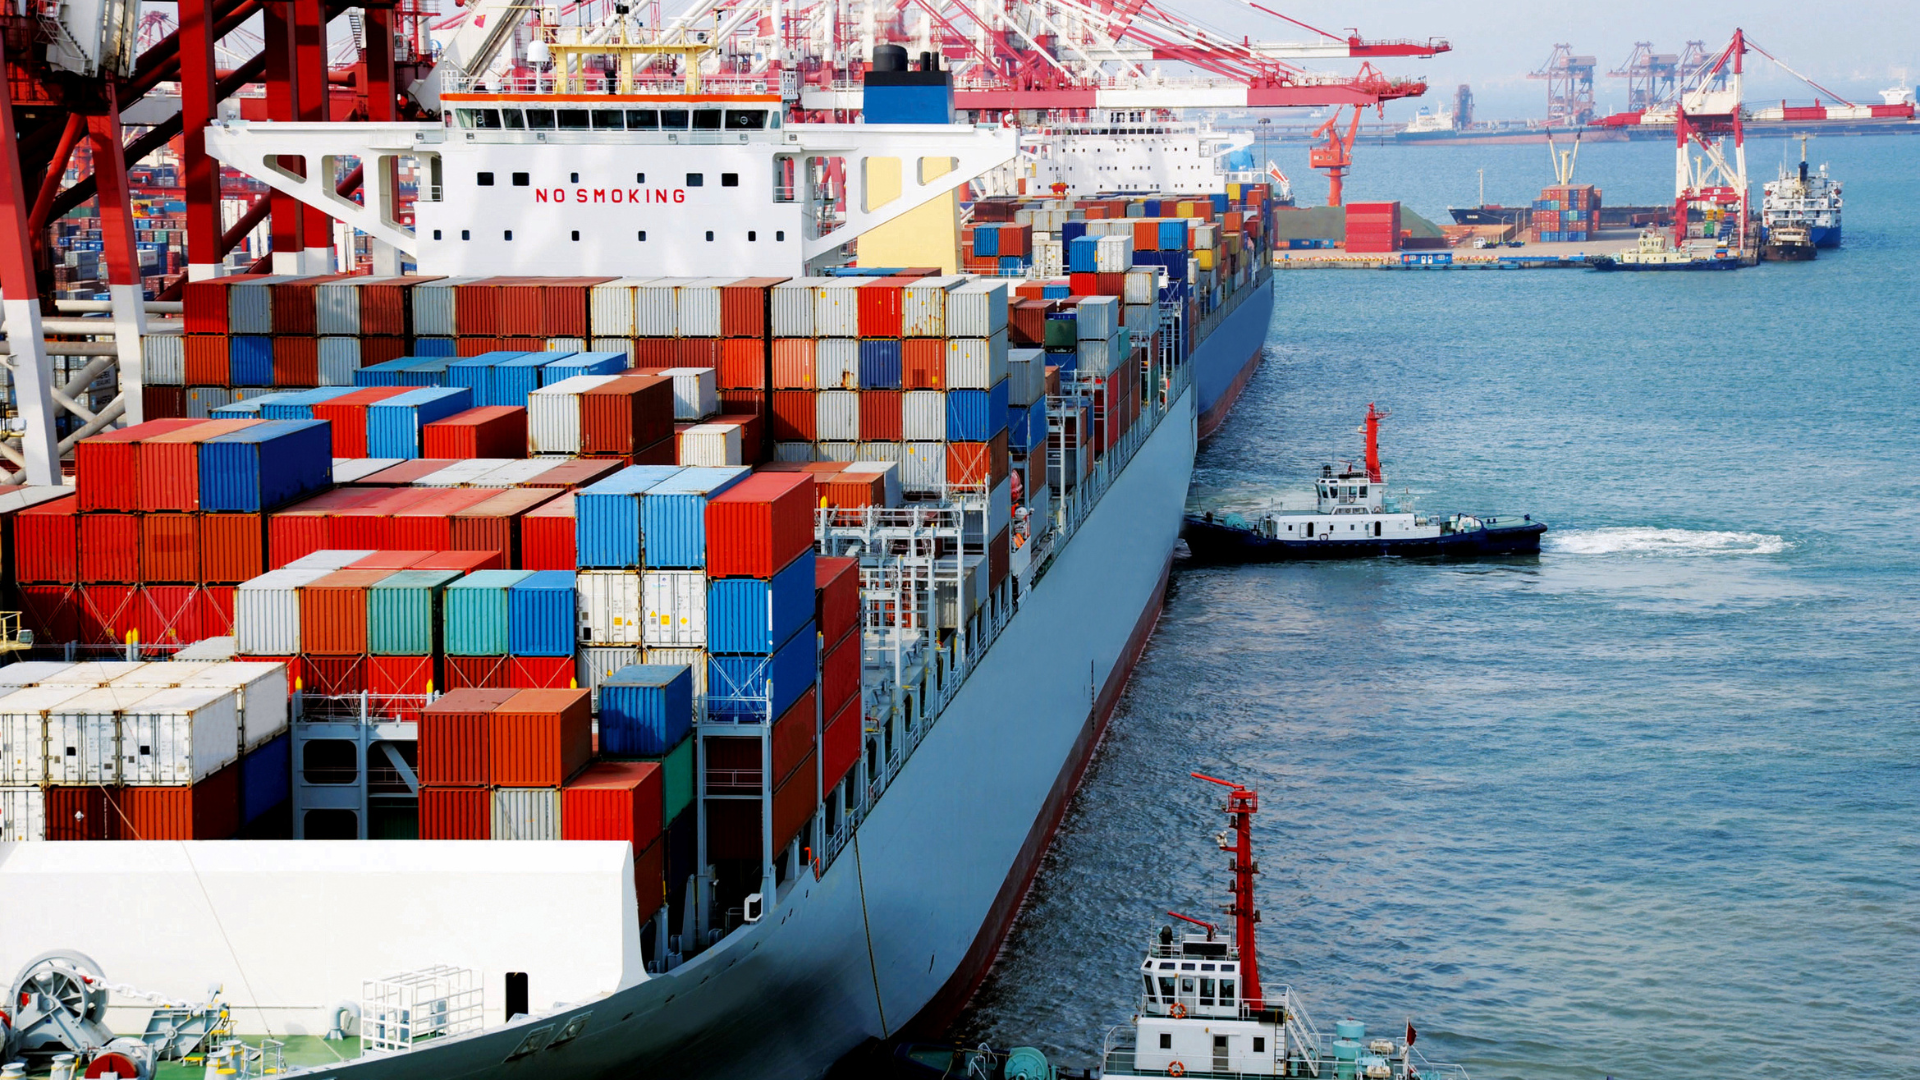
(1242, 804)
(1373, 443)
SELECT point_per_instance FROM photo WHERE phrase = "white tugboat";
(1353, 519)
(1805, 198)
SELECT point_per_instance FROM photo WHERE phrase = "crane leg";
(20, 297)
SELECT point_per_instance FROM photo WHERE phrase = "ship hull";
(1211, 542)
(1224, 363)
(1825, 236)
(901, 927)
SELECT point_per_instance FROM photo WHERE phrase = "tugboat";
(1653, 252)
(1789, 243)
(1352, 519)
(1204, 1012)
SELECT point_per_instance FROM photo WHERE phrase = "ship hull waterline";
(1225, 362)
(1215, 543)
(905, 922)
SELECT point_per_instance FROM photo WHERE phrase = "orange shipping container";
(453, 738)
(923, 363)
(539, 738)
(208, 810)
(168, 464)
(614, 800)
(170, 547)
(793, 735)
(456, 813)
(496, 524)
(793, 364)
(333, 612)
(840, 743)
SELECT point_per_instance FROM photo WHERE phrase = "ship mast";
(1373, 443)
(1242, 804)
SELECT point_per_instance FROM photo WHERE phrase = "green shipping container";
(1062, 333)
(676, 778)
(403, 612)
(476, 612)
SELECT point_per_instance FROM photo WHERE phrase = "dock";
(1531, 256)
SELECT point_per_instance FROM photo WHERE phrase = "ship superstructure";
(1806, 198)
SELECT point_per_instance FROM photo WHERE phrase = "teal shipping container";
(404, 612)
(476, 613)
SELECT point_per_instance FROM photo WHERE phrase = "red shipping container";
(840, 742)
(216, 610)
(743, 307)
(881, 415)
(169, 615)
(464, 561)
(923, 363)
(851, 491)
(490, 431)
(389, 560)
(653, 352)
(379, 350)
(793, 733)
(700, 352)
(477, 672)
(52, 612)
(427, 525)
(348, 415)
(294, 303)
(840, 674)
(407, 472)
(476, 307)
(836, 595)
(752, 441)
(334, 676)
(105, 472)
(296, 361)
(453, 736)
(539, 738)
(400, 677)
(203, 305)
(1110, 284)
(81, 813)
(299, 530)
(367, 526)
(333, 612)
(759, 525)
(1000, 556)
(1146, 235)
(110, 547)
(650, 879)
(574, 474)
(170, 547)
(792, 416)
(107, 613)
(541, 673)
(547, 536)
(565, 306)
(793, 364)
(664, 452)
(614, 800)
(978, 463)
(456, 813)
(495, 524)
(164, 402)
(206, 360)
(168, 465)
(384, 303)
(794, 803)
(626, 415)
(879, 305)
(209, 810)
(1027, 323)
(1082, 284)
(519, 308)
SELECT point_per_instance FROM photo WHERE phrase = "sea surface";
(1643, 806)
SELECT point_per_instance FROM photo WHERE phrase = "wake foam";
(1675, 542)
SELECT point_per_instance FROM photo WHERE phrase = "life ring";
(1174, 1068)
(1178, 1012)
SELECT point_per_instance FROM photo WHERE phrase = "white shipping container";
(202, 400)
(163, 360)
(433, 306)
(976, 363)
(179, 736)
(609, 606)
(837, 450)
(339, 359)
(1096, 318)
(210, 648)
(266, 612)
(923, 415)
(23, 731)
(526, 813)
(711, 444)
(566, 344)
(336, 306)
(595, 664)
(1026, 376)
(836, 309)
(675, 612)
(327, 559)
(261, 696)
(163, 674)
(836, 416)
(836, 364)
(30, 672)
(923, 468)
(889, 469)
(878, 452)
(610, 308)
(656, 308)
(793, 303)
(509, 474)
(1049, 258)
(553, 414)
(1206, 237)
(793, 451)
(250, 306)
(459, 474)
(696, 392)
(1142, 286)
(1140, 320)
(1113, 254)
(23, 814)
(613, 344)
(695, 661)
(977, 309)
(923, 305)
(83, 735)
(700, 306)
(1102, 357)
(92, 673)
(347, 470)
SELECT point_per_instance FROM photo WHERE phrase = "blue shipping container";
(1072, 230)
(1080, 255)
(749, 615)
(1011, 264)
(1026, 426)
(879, 364)
(541, 619)
(1173, 235)
(976, 415)
(986, 240)
(476, 374)
(645, 709)
(757, 689)
(394, 425)
(298, 406)
(475, 617)
(250, 361)
(606, 517)
(673, 516)
(513, 380)
(434, 346)
(266, 778)
(1067, 360)
(251, 409)
(584, 363)
(386, 373)
(426, 371)
(1220, 203)
(261, 467)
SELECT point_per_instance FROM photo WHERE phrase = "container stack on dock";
(1373, 227)
(1566, 214)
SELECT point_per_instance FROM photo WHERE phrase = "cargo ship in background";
(841, 697)
(1803, 199)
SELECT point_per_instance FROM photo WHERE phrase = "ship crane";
(1336, 154)
(1707, 114)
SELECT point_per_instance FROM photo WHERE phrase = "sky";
(1855, 48)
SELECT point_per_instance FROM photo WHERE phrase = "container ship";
(773, 604)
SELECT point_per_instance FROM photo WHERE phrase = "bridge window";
(1206, 991)
(609, 120)
(1226, 991)
(746, 119)
(515, 120)
(573, 119)
(706, 119)
(484, 179)
(1148, 979)
(520, 179)
(480, 119)
(643, 119)
(540, 119)
(673, 119)
(1166, 987)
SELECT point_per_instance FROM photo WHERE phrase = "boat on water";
(1788, 243)
(1655, 252)
(843, 909)
(1354, 518)
(1804, 198)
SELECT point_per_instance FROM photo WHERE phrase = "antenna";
(1242, 804)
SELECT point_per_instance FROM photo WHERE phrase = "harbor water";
(1641, 806)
